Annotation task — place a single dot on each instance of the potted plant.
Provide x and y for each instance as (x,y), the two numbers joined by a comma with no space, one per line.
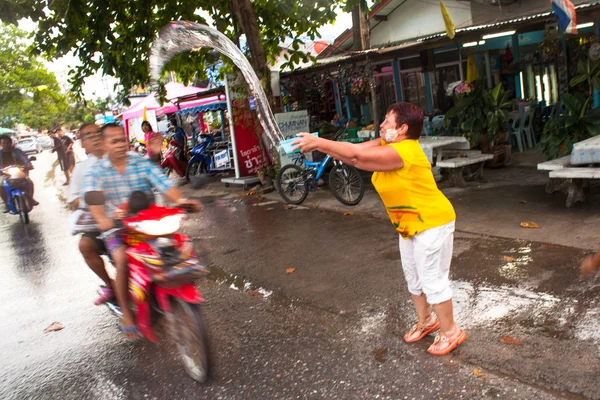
(498,106)
(469,113)
(562,131)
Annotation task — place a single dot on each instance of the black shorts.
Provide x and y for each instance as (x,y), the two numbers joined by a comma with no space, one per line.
(99,242)
(70,159)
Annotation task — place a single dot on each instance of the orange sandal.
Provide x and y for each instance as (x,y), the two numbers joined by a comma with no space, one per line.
(423,331)
(452,343)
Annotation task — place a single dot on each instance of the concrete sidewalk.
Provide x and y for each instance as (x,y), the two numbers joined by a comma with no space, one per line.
(512,195)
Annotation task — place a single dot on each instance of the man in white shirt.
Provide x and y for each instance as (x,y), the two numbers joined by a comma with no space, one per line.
(90,247)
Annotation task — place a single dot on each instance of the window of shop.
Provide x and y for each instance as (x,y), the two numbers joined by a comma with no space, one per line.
(413,81)
(385,88)
(413,85)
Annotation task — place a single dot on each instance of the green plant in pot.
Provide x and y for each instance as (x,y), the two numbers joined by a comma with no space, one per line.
(470,111)
(562,131)
(498,106)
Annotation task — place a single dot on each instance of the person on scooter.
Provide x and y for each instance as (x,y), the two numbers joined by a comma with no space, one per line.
(90,246)
(180,139)
(11,155)
(112,181)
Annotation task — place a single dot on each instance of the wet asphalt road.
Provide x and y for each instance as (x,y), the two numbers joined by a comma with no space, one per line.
(330,330)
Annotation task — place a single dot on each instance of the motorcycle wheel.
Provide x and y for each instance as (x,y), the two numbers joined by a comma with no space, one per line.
(192,340)
(21,205)
(193,170)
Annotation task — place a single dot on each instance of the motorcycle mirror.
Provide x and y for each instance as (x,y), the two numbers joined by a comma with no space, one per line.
(32,159)
(95,198)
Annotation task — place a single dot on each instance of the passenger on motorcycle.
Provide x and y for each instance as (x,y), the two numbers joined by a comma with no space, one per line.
(90,246)
(112,181)
(11,155)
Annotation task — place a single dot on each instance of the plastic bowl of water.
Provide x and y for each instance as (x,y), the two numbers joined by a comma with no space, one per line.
(287,144)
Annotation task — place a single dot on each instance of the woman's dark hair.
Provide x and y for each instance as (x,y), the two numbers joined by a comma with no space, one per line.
(146,123)
(5,137)
(409,114)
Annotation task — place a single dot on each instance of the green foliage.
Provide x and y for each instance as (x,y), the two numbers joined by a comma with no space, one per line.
(470,113)
(562,131)
(588,72)
(115,37)
(498,106)
(28,93)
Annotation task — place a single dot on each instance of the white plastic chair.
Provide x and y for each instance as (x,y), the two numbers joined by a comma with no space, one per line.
(516,132)
(527,129)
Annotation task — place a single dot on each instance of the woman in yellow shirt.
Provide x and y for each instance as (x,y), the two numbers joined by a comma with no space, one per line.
(421,214)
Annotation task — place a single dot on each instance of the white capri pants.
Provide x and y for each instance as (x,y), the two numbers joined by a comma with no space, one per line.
(426,259)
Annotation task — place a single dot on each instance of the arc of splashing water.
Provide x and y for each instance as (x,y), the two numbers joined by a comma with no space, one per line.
(177,37)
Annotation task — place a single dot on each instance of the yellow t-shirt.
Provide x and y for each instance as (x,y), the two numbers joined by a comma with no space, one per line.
(410,194)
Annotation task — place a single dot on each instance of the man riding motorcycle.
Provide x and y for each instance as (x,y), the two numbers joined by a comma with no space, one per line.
(13,156)
(112,180)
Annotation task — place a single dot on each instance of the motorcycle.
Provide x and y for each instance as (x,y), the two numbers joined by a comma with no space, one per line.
(17,188)
(201,161)
(171,162)
(163,266)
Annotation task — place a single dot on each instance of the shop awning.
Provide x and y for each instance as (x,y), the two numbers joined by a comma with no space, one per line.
(212,106)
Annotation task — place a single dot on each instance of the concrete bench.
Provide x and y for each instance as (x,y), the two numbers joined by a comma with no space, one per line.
(456,153)
(569,179)
(572,181)
(553,165)
(456,168)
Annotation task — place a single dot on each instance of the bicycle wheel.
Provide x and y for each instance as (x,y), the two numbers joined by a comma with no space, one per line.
(291,184)
(346,184)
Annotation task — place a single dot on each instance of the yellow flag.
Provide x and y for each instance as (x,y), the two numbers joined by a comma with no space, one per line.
(447,21)
(145,118)
(472,73)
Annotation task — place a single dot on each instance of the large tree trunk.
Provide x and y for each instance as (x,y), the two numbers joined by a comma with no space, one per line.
(247,20)
(365,29)
(356,34)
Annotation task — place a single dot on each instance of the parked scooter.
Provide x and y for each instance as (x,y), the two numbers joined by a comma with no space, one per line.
(201,160)
(172,160)
(18,191)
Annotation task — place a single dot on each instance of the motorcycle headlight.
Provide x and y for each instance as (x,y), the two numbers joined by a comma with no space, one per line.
(164,226)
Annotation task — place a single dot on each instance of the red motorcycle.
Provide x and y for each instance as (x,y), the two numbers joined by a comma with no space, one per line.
(163,266)
(172,160)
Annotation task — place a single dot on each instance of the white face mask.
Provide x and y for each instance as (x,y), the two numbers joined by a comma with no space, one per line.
(391,135)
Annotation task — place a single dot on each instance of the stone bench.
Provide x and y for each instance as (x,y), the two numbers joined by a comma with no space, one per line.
(569,179)
(457,153)
(553,165)
(456,168)
(572,181)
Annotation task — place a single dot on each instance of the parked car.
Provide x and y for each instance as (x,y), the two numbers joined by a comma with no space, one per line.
(45,142)
(29,145)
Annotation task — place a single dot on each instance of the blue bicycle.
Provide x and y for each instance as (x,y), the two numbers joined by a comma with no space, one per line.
(294,182)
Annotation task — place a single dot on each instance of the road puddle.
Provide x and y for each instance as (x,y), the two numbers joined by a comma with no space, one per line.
(235,282)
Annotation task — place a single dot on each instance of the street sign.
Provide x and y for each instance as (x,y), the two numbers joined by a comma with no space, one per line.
(221,158)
